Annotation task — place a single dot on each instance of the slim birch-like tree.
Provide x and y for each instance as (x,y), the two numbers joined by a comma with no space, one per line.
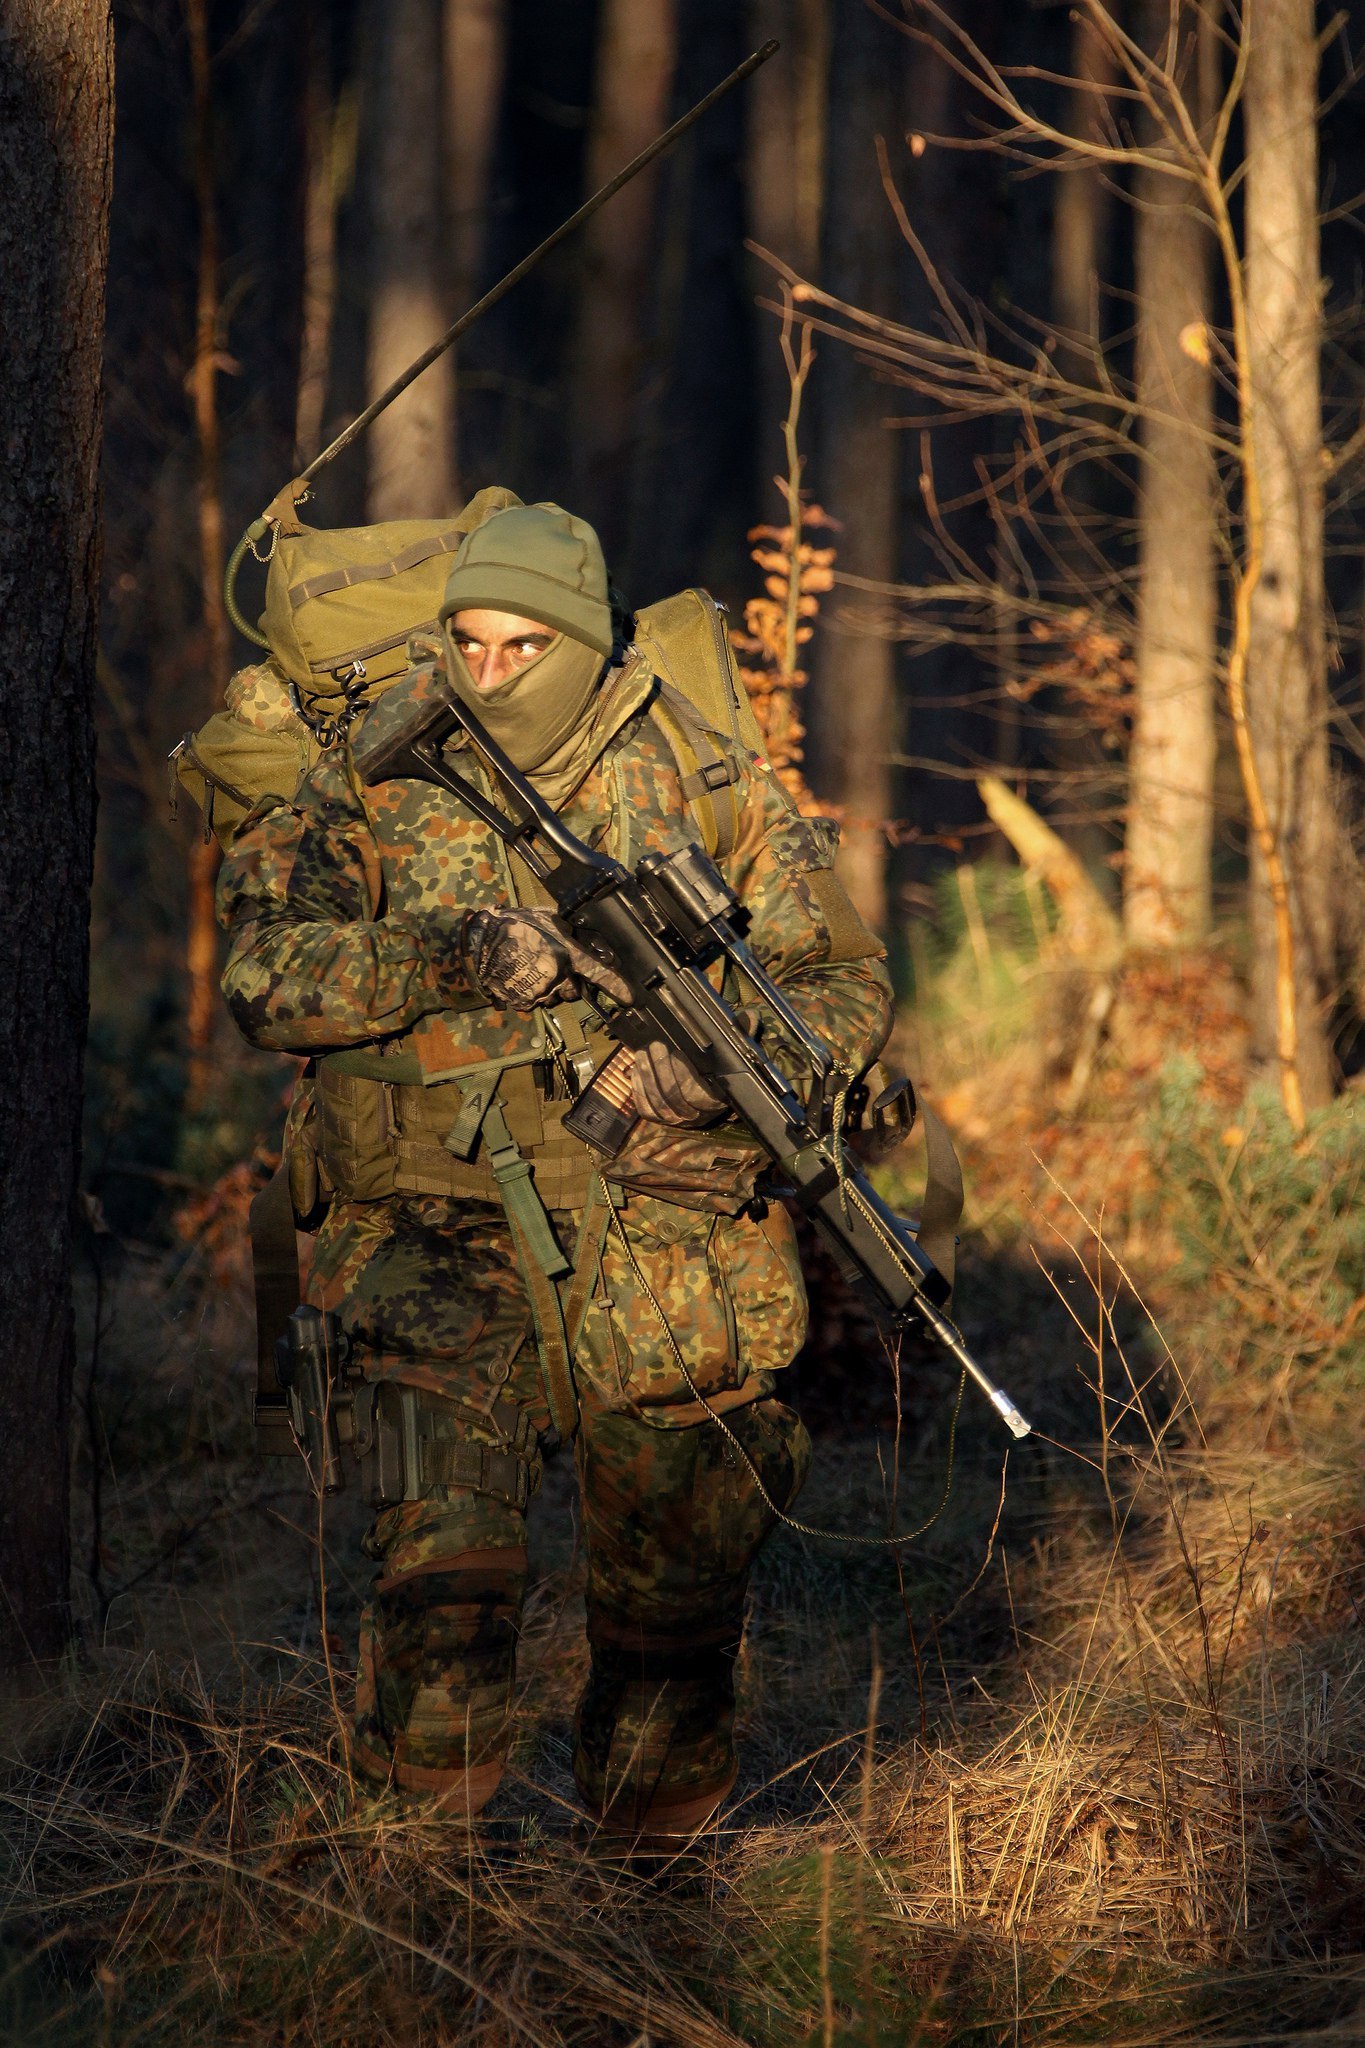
(1287,704)
(1167,896)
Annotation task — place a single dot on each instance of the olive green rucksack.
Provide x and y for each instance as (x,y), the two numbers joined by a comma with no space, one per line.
(340,608)
(340,605)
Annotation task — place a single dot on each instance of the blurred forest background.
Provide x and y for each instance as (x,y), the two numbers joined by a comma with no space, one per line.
(1027,431)
(1000,367)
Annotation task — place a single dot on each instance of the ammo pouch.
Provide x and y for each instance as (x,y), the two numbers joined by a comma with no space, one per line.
(383,1132)
(410,1442)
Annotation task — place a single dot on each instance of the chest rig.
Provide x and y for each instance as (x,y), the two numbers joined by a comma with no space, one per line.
(470,1104)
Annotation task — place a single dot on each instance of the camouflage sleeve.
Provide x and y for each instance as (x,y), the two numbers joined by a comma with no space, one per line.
(311,964)
(806,931)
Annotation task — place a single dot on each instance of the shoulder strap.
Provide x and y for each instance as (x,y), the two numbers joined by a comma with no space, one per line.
(709,776)
(275,1270)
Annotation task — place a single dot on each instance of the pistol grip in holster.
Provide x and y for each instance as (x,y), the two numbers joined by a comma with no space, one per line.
(310,1360)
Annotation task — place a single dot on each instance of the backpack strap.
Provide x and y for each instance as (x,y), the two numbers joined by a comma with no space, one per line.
(709,776)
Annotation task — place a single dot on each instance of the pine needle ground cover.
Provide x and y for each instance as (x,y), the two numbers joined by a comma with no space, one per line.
(1080,1763)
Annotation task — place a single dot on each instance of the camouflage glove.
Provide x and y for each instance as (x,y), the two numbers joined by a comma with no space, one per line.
(520,959)
(667,1090)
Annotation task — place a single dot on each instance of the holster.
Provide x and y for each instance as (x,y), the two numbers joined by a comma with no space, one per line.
(406,1441)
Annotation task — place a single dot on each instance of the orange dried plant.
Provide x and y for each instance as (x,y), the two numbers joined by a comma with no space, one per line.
(1092,668)
(797,573)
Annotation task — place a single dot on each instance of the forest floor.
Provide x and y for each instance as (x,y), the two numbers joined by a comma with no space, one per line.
(1084,1765)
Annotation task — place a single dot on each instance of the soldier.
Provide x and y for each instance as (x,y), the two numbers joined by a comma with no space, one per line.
(502,1288)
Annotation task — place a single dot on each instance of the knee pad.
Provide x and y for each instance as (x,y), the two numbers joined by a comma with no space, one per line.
(779,1444)
(437,1662)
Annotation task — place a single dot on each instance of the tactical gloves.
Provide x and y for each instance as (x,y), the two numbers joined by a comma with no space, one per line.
(667,1090)
(520,959)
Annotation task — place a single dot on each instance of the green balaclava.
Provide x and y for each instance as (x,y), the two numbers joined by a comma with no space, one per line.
(537,562)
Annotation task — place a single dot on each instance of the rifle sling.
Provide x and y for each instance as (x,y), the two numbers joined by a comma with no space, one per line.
(943,1197)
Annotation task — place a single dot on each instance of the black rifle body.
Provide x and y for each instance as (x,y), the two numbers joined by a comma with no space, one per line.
(661,926)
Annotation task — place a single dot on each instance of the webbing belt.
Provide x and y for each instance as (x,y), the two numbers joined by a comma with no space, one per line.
(526,1212)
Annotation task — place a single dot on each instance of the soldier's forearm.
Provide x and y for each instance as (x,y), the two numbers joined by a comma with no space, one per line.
(848,1007)
(301,986)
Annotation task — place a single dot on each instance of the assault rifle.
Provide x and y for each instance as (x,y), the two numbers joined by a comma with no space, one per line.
(660,927)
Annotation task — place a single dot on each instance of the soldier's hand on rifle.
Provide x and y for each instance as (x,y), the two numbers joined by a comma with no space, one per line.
(521,959)
(667,1090)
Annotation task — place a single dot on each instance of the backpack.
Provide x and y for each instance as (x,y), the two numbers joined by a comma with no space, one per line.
(340,608)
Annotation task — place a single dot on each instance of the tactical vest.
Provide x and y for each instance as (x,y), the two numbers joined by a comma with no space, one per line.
(424,1112)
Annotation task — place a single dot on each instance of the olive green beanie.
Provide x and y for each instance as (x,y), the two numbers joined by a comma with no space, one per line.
(538,562)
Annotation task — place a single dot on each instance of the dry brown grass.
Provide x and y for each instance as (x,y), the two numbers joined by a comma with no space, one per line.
(1090,1771)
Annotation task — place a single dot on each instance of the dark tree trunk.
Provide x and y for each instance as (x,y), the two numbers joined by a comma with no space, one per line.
(856,725)
(475,61)
(787,111)
(411,446)
(56,102)
(636,53)
(324,155)
(201,949)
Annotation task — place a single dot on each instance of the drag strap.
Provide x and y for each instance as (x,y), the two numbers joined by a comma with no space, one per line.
(558,1322)
(275,1276)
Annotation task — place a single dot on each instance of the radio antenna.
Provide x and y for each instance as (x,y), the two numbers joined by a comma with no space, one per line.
(280,511)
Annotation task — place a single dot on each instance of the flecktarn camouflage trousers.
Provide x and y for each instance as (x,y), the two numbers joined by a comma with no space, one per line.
(433,1301)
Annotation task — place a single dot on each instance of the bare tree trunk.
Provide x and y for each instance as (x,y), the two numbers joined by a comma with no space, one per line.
(1082,218)
(860,471)
(201,950)
(475,58)
(636,51)
(324,144)
(785,174)
(1084,201)
(1167,879)
(1287,669)
(411,445)
(56,120)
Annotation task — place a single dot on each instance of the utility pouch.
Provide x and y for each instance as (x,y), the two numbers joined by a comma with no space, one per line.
(415,1442)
